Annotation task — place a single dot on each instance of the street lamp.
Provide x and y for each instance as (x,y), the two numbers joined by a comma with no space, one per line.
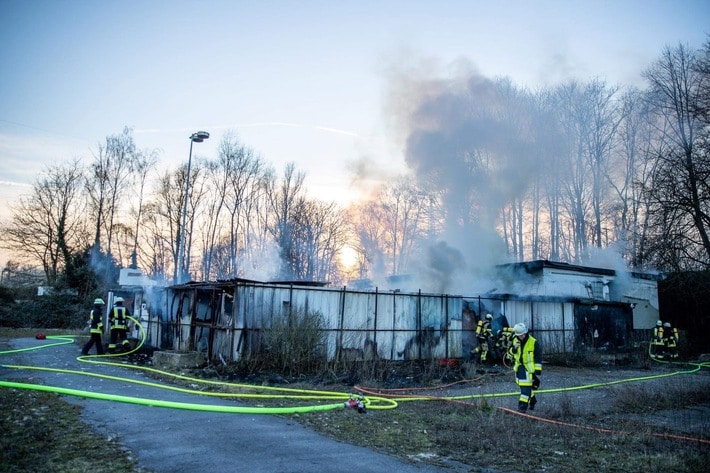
(197,137)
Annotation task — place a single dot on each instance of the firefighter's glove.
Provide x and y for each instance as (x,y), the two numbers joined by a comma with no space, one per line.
(536,382)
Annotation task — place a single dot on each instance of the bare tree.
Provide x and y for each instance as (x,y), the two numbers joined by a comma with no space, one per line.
(162,221)
(391,229)
(212,249)
(605,117)
(236,177)
(284,196)
(197,196)
(257,249)
(158,254)
(702,68)
(681,184)
(109,177)
(48,225)
(629,172)
(403,209)
(546,187)
(145,162)
(123,238)
(318,231)
(365,220)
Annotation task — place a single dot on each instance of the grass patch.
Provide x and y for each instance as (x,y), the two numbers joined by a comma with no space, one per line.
(447,433)
(40,432)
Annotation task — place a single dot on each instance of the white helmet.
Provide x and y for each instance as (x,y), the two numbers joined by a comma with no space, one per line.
(118,299)
(489,317)
(520,329)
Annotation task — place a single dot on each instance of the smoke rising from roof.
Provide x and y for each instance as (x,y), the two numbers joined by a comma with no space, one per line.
(466,138)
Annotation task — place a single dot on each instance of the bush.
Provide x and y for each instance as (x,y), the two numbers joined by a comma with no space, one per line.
(52,311)
(295,344)
(6,296)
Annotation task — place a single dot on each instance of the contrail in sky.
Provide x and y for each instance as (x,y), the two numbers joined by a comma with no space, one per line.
(253,125)
(14,184)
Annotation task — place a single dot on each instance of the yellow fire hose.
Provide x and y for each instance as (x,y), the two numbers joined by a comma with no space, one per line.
(267,392)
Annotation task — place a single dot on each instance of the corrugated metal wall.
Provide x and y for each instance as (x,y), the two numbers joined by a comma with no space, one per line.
(223,320)
(226,320)
(398,326)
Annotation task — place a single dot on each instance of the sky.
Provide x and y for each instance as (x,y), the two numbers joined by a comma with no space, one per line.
(297,81)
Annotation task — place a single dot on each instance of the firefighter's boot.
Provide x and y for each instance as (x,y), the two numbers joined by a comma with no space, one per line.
(531,405)
(522,406)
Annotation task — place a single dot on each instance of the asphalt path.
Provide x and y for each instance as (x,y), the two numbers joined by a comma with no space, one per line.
(184,441)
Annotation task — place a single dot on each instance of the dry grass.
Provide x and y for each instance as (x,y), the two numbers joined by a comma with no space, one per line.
(619,428)
(610,429)
(453,434)
(41,432)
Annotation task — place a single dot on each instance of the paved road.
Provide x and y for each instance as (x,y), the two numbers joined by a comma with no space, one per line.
(182,441)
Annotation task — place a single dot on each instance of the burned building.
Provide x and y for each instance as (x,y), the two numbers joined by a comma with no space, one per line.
(568,307)
(227,319)
(572,307)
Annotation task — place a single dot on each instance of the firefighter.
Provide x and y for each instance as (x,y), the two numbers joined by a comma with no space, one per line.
(503,343)
(96,327)
(657,345)
(484,335)
(118,321)
(527,353)
(670,340)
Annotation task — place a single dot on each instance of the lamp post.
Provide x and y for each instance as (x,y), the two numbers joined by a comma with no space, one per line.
(197,137)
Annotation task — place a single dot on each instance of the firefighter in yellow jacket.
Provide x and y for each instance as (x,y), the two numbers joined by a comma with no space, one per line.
(527,355)
(503,344)
(118,322)
(484,336)
(657,344)
(670,340)
(96,328)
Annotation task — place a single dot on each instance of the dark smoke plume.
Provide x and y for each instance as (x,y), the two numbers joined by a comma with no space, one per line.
(468,138)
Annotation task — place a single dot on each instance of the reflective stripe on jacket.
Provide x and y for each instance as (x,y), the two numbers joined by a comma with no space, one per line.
(118,318)
(528,354)
(96,324)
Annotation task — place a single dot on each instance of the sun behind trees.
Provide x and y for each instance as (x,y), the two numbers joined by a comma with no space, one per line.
(496,173)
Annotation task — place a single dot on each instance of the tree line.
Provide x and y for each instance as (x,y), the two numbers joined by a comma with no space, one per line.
(511,173)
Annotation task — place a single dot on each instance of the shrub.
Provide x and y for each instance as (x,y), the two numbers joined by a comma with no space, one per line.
(6,295)
(295,344)
(52,311)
